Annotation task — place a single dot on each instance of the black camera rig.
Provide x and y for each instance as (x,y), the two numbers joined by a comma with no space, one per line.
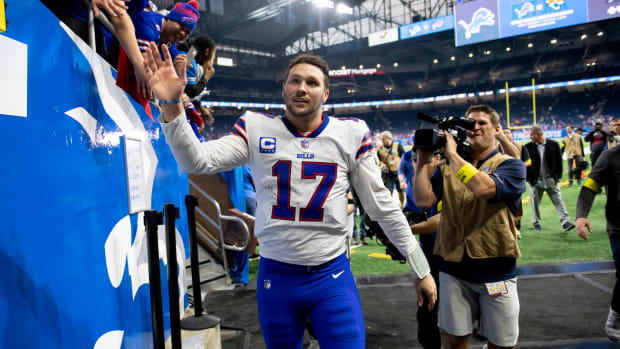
(374,229)
(432,140)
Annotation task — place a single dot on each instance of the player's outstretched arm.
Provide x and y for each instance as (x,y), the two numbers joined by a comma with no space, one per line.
(166,79)
(380,206)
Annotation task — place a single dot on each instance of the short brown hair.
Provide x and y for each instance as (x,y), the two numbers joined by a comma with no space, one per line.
(483,108)
(312,60)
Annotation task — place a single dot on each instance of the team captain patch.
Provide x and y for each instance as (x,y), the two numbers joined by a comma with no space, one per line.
(267,145)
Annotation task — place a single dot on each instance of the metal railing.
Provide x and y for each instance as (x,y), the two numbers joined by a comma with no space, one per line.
(217,223)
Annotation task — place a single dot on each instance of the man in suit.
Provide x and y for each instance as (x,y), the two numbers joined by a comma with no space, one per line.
(544,175)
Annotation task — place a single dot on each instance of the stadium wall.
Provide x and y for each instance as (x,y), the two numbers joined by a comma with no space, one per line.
(73,257)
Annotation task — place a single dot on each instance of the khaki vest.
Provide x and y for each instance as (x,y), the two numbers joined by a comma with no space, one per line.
(519,149)
(390,158)
(573,146)
(467,223)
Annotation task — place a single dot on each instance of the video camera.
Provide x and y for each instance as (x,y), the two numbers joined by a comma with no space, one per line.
(374,229)
(432,140)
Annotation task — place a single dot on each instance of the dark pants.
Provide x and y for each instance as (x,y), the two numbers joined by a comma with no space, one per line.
(428,331)
(573,171)
(614,241)
(390,180)
(596,149)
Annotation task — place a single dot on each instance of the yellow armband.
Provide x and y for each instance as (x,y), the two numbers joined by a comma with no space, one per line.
(528,162)
(592,185)
(439,205)
(465,173)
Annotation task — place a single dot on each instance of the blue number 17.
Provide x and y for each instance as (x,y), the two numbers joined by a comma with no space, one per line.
(309,170)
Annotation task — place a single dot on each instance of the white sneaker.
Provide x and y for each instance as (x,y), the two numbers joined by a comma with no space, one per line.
(612,327)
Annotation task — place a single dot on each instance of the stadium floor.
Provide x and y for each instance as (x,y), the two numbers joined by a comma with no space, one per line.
(562,306)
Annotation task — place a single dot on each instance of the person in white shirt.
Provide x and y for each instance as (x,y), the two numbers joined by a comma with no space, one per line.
(303,164)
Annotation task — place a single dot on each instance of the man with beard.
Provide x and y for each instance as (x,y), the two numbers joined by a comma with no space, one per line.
(303,163)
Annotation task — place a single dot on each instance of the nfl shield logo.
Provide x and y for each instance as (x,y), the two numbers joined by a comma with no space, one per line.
(267,284)
(305,144)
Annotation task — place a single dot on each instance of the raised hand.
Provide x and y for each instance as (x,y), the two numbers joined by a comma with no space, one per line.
(112,7)
(166,79)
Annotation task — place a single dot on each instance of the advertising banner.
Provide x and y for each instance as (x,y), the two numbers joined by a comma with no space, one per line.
(520,17)
(599,10)
(430,26)
(476,21)
(383,37)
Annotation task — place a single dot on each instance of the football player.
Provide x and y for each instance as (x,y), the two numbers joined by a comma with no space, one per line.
(303,164)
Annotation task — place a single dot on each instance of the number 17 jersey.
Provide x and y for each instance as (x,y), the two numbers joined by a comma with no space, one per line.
(301,184)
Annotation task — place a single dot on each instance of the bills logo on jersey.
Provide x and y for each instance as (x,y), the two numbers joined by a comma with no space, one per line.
(305,144)
(267,145)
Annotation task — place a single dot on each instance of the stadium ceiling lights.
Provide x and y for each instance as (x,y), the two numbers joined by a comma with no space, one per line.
(584,36)
(599,34)
(324,3)
(553,41)
(343,67)
(378,65)
(395,64)
(435,61)
(452,58)
(471,55)
(361,66)
(508,49)
(530,45)
(487,52)
(342,8)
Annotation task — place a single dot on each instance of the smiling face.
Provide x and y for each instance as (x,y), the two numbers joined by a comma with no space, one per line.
(304,91)
(537,137)
(482,137)
(173,32)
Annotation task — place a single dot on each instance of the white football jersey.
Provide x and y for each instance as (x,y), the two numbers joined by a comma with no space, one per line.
(301,182)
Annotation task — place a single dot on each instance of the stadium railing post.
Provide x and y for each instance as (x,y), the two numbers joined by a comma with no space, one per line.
(152,219)
(199,321)
(171,213)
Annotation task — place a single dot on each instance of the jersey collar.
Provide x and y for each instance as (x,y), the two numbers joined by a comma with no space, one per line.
(312,134)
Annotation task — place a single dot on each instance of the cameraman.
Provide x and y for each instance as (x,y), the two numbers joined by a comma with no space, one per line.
(477,237)
(428,332)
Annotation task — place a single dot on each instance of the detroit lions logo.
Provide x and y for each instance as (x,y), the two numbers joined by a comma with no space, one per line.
(482,16)
(416,29)
(555,4)
(524,10)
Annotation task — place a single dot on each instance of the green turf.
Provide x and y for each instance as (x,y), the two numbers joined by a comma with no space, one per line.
(550,245)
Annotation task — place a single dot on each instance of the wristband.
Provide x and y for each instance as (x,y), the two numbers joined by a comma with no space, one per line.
(465,173)
(169,101)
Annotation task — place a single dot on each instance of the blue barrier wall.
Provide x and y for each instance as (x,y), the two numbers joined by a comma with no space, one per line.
(72,257)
